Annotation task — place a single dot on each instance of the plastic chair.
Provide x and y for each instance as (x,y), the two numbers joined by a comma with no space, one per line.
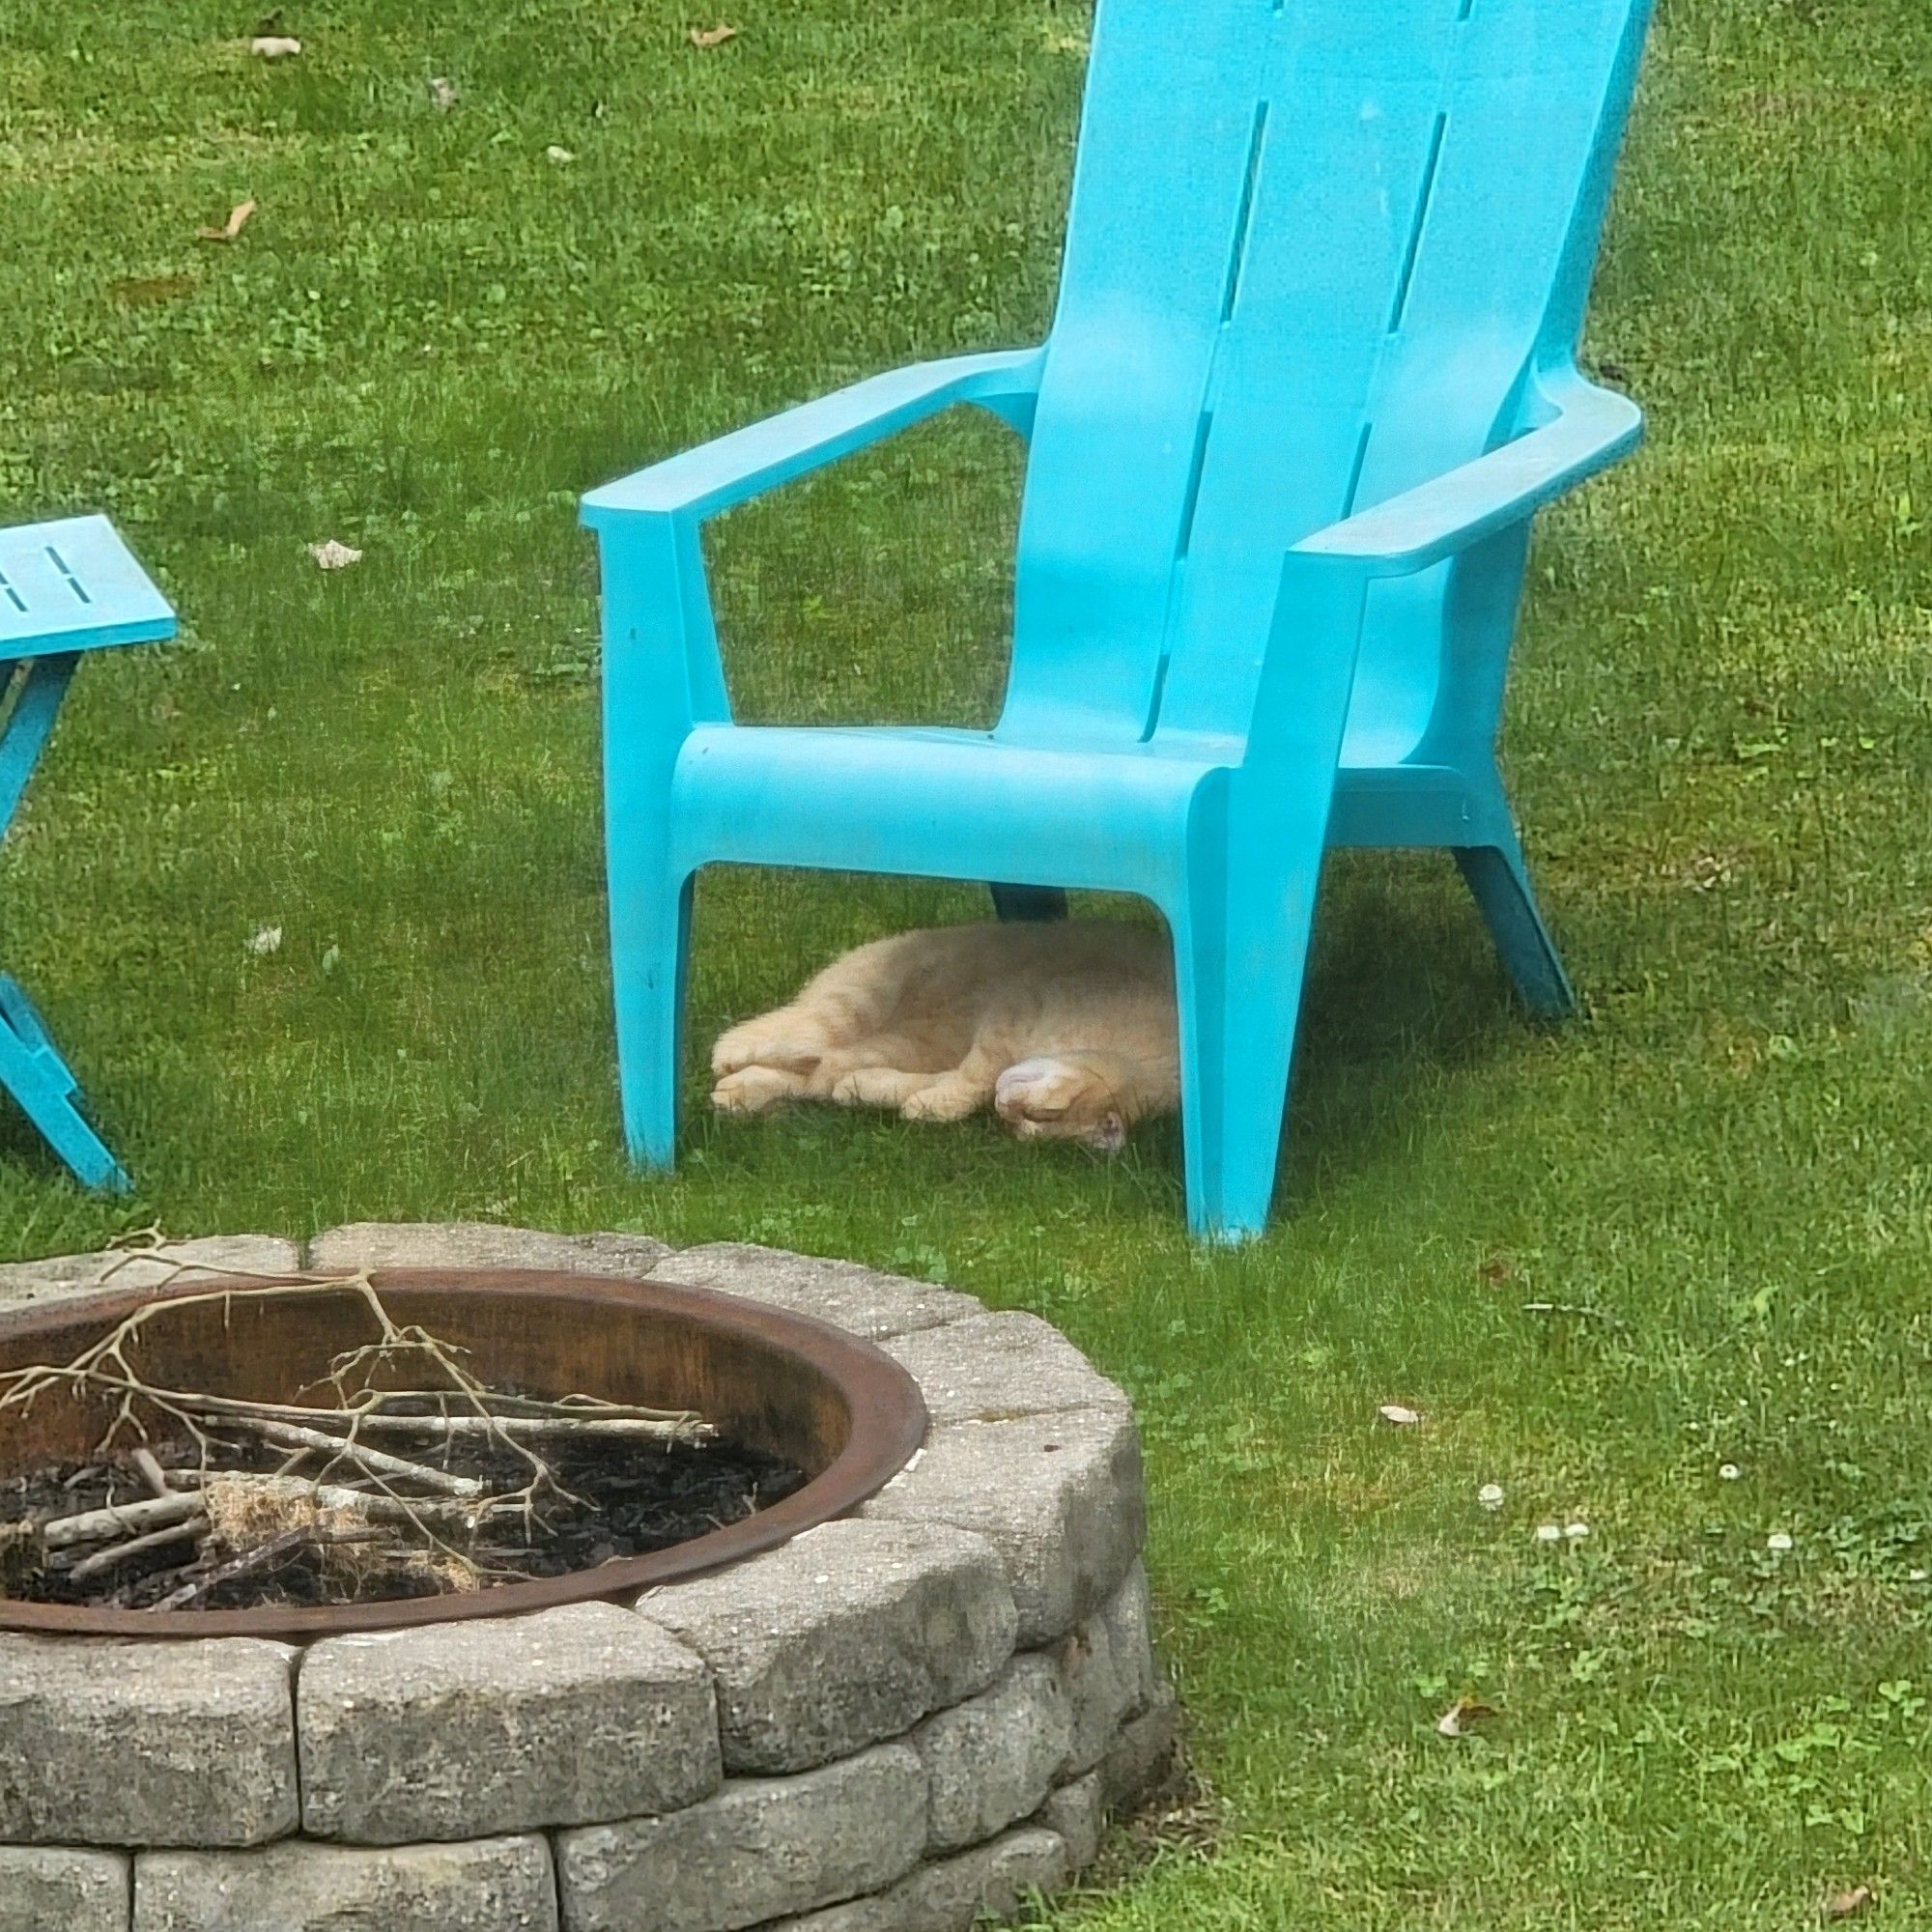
(65,588)
(1311,374)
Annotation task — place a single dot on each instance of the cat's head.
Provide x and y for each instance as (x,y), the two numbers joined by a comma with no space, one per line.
(1065,1098)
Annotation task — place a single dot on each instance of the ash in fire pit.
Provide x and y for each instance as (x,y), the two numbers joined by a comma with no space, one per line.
(263,1537)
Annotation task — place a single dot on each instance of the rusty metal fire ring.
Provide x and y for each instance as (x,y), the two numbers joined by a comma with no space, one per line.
(842,1409)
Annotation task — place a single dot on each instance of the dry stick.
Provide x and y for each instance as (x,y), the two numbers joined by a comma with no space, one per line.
(529,1418)
(534,1428)
(519,1427)
(379,1508)
(112,1557)
(258,1559)
(376,1462)
(150,1472)
(121,1518)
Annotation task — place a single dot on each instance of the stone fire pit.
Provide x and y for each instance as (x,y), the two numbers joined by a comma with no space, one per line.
(895,1720)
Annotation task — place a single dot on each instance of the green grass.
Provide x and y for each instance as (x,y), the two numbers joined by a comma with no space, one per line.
(430,339)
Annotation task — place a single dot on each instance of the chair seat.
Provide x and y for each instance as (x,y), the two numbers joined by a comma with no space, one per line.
(943,802)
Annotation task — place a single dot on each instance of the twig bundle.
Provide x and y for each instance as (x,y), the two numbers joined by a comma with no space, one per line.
(388,1519)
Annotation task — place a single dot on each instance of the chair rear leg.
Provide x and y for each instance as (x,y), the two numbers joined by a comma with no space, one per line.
(650,946)
(1500,881)
(1241,959)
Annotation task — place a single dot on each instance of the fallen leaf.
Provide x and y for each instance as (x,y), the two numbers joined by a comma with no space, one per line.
(138,291)
(1849,1904)
(333,556)
(238,219)
(706,38)
(1399,1417)
(267,939)
(1461,1717)
(274,46)
(442,93)
(559,157)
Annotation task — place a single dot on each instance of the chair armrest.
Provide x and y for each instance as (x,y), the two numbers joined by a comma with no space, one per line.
(702,481)
(1437,520)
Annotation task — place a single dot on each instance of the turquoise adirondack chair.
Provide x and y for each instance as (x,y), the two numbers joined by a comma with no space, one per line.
(1311,374)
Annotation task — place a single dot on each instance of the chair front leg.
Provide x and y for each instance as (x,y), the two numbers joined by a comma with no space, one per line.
(1241,925)
(661,673)
(38,685)
(1245,912)
(650,952)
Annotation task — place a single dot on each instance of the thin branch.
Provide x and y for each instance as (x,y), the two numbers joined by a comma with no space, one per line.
(118,1553)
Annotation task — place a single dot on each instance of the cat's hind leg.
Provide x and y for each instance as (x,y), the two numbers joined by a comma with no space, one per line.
(787,1038)
(843,1006)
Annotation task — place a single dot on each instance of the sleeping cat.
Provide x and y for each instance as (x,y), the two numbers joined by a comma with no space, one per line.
(1066,1027)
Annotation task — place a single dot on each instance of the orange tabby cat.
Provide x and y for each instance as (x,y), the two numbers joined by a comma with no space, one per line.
(1065,1029)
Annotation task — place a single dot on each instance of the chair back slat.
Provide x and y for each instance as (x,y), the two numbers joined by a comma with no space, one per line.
(1316,249)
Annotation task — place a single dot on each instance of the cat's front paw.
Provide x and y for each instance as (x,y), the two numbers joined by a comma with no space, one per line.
(944,1101)
(751,1089)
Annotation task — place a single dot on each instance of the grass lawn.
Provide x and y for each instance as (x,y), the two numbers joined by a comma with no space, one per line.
(431,337)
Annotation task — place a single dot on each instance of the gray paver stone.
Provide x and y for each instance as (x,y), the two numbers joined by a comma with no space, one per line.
(1142,1755)
(1078,1812)
(760,1849)
(994,1758)
(463,1730)
(60,1276)
(1058,1495)
(44,1889)
(995,1367)
(146,1743)
(843,1637)
(953,1895)
(1109,1669)
(859,1300)
(497,1884)
(480,1245)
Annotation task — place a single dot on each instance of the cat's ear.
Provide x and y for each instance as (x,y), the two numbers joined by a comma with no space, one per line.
(1109,1135)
